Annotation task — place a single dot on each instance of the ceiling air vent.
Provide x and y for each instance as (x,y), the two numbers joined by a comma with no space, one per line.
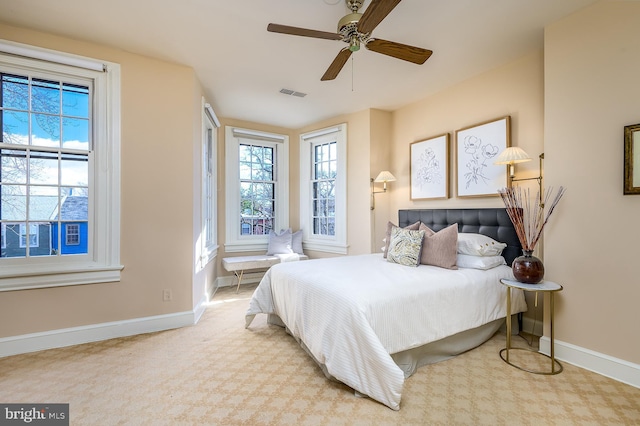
(293,93)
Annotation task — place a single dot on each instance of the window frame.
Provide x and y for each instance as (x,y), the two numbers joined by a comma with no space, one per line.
(102,263)
(209,197)
(234,137)
(316,242)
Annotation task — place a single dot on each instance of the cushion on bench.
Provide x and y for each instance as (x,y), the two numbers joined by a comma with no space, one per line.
(240,263)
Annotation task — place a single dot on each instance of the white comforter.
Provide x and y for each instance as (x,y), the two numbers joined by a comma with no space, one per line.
(352,312)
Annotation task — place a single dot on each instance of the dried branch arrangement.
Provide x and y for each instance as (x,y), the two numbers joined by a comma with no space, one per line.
(529,217)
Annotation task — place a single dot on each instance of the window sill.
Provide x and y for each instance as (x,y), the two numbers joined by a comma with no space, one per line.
(325,247)
(249,246)
(44,279)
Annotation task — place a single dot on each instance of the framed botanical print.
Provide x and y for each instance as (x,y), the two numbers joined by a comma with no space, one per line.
(477,147)
(429,168)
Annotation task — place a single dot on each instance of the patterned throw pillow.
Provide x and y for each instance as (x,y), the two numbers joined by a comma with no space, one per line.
(405,246)
(387,238)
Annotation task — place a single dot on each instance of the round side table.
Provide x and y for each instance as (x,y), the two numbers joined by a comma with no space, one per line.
(545,287)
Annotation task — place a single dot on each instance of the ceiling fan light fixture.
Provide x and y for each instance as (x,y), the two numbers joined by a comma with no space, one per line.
(354,43)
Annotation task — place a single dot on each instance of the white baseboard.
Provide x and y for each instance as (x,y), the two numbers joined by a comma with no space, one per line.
(608,366)
(199,309)
(34,342)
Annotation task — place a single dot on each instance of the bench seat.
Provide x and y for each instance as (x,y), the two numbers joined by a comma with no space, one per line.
(239,264)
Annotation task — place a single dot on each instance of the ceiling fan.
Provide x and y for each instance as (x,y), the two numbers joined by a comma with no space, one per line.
(355,29)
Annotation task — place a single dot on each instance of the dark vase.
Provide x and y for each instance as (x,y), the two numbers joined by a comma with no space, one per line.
(528,268)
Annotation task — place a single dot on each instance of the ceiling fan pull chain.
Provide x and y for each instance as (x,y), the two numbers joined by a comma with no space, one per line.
(352,89)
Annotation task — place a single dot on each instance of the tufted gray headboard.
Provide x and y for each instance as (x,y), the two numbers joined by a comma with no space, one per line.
(494,223)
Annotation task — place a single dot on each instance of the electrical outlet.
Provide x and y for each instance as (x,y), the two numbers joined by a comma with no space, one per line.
(166,295)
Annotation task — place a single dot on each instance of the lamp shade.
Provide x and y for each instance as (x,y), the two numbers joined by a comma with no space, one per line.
(512,155)
(385,176)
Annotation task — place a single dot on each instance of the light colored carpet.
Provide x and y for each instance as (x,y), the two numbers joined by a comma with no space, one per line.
(219,373)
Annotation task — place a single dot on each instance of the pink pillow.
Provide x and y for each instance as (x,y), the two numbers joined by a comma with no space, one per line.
(390,226)
(440,248)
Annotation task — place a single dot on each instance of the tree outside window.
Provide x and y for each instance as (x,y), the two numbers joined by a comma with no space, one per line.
(44,157)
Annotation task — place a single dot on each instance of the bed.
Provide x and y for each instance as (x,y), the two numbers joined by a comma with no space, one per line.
(370,323)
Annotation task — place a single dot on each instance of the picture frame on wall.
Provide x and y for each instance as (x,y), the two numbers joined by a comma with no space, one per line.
(632,159)
(477,147)
(429,168)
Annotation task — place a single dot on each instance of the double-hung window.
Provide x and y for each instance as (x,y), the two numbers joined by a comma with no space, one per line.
(209,236)
(323,189)
(59,168)
(257,188)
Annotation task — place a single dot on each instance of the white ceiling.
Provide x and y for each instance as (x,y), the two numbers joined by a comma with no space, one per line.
(243,67)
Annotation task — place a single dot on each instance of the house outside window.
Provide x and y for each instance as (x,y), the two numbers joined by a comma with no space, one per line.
(60,130)
(323,201)
(257,187)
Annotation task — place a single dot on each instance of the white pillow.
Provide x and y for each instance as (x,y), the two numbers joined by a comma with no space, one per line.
(479,245)
(479,262)
(296,242)
(280,243)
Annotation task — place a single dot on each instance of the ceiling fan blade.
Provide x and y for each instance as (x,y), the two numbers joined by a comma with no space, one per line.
(375,13)
(337,64)
(417,55)
(285,29)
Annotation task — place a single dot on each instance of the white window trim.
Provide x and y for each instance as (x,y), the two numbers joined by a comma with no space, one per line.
(234,241)
(209,249)
(102,264)
(3,242)
(338,242)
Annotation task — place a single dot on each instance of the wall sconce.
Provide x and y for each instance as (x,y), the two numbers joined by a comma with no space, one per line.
(384,176)
(514,155)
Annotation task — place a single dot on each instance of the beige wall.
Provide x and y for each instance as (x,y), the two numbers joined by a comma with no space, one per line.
(515,89)
(592,67)
(381,148)
(160,131)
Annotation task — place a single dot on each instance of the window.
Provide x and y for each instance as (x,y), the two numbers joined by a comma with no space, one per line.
(323,189)
(209,236)
(257,188)
(59,162)
(72,234)
(30,240)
